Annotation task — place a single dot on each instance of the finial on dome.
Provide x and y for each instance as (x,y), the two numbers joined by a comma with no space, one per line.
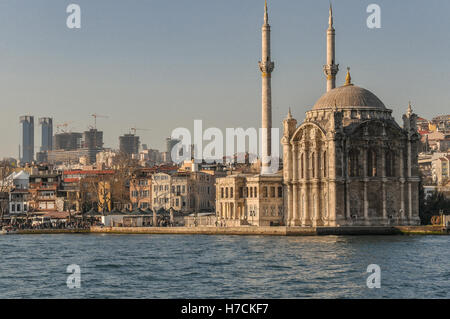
(289,116)
(348,78)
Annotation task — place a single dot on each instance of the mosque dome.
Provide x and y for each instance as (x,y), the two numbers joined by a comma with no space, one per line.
(349,96)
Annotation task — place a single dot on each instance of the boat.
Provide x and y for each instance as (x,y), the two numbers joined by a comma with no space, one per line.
(8,231)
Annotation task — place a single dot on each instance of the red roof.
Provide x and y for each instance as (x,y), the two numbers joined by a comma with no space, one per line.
(89,172)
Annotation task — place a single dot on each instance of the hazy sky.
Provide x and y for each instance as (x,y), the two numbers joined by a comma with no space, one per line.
(160,64)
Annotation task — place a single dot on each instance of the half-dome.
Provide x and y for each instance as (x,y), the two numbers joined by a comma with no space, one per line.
(349,96)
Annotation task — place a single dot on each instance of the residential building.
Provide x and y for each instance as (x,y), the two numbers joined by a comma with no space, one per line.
(141,189)
(43,188)
(440,170)
(187,192)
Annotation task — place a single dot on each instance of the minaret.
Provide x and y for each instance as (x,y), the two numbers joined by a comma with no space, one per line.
(266,66)
(331,69)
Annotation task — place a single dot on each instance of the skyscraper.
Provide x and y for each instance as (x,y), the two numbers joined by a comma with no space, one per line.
(93,141)
(129,144)
(170,144)
(46,133)
(27,138)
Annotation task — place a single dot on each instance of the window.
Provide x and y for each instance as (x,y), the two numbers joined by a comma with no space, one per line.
(280,192)
(255,191)
(144,205)
(302,166)
(226,192)
(313,165)
(371,163)
(353,163)
(221,192)
(265,191)
(390,164)
(241,192)
(231,192)
(325,166)
(251,191)
(272,191)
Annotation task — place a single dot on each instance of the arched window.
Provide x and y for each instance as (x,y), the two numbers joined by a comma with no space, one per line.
(353,163)
(390,164)
(371,163)
(318,163)
(313,165)
(325,166)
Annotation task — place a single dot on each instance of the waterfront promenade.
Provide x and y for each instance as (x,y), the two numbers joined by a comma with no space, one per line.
(248,231)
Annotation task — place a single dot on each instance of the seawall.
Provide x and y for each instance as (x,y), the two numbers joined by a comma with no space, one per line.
(277,231)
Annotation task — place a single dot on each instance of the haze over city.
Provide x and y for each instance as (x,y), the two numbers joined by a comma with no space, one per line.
(162,64)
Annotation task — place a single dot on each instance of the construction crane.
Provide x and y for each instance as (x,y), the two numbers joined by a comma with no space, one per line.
(134,129)
(95,116)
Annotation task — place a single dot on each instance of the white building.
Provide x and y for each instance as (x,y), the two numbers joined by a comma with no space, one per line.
(19,195)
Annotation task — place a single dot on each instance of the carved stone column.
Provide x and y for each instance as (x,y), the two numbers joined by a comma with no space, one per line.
(366,179)
(410,209)
(295,182)
(383,181)
(402,185)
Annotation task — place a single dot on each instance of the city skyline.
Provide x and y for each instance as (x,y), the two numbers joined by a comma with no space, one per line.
(46,69)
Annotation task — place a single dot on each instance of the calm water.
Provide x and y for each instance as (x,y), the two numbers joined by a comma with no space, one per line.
(154,266)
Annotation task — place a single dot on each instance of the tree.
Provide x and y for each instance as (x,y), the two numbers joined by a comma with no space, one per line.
(433,205)
(124,170)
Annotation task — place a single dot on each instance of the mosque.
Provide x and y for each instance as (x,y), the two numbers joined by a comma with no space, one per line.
(348,164)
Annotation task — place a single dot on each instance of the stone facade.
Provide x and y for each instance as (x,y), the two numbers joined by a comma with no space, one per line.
(247,199)
(350,163)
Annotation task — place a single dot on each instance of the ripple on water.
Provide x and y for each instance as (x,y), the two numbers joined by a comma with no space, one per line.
(167,266)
